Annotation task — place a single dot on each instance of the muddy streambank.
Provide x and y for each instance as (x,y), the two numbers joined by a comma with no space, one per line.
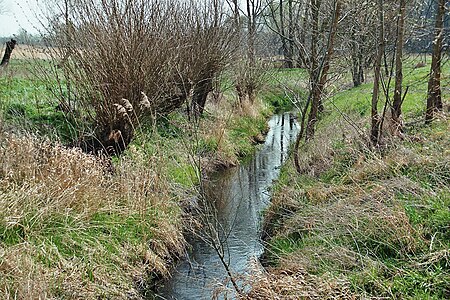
(231,242)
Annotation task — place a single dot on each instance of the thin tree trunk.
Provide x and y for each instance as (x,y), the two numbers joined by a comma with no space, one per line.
(355,59)
(314,73)
(251,27)
(8,51)
(300,135)
(386,65)
(290,34)
(319,85)
(375,117)
(236,14)
(396,110)
(434,100)
(361,66)
(284,41)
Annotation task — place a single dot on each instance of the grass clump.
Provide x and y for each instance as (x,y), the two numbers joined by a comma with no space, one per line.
(70,229)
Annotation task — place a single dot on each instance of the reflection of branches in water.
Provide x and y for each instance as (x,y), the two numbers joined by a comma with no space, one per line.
(212,232)
(227,214)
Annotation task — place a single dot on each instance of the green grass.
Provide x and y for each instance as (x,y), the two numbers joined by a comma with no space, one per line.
(28,104)
(243,129)
(285,89)
(376,220)
(357,100)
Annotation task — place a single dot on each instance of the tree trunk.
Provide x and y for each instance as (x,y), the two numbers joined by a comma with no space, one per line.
(284,42)
(314,72)
(8,51)
(319,85)
(251,27)
(199,96)
(290,34)
(361,66)
(396,110)
(236,14)
(355,59)
(434,100)
(375,117)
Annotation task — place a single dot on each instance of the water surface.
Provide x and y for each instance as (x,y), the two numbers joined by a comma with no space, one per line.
(238,196)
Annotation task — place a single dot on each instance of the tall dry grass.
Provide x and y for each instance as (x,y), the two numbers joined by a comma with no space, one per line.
(361,224)
(69,229)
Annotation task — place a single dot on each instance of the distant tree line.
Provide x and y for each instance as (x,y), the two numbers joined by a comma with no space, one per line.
(25,38)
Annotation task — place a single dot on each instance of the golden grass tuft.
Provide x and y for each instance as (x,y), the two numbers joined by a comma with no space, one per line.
(69,229)
(299,284)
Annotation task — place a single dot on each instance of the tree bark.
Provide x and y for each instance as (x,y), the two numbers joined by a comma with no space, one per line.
(251,27)
(355,59)
(10,45)
(375,117)
(320,81)
(396,110)
(361,65)
(200,94)
(290,35)
(235,9)
(284,42)
(314,73)
(434,100)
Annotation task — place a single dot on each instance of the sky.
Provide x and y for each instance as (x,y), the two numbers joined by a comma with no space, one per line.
(20,14)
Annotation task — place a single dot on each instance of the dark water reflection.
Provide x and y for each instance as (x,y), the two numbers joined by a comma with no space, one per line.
(239,195)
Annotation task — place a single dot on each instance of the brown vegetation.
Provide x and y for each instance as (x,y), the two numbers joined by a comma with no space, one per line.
(336,231)
(116,51)
(60,213)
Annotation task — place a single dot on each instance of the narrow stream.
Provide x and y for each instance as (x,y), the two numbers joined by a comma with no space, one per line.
(239,196)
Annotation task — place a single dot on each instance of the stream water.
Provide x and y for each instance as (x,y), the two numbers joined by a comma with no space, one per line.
(238,196)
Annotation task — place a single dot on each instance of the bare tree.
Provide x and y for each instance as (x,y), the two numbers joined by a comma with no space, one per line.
(10,45)
(253,11)
(320,72)
(248,72)
(358,31)
(396,110)
(111,52)
(434,100)
(375,117)
(318,61)
(211,51)
(283,26)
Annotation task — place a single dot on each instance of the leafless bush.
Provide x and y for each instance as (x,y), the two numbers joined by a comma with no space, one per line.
(104,52)
(248,79)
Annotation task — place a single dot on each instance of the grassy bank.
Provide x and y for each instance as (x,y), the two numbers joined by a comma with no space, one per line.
(359,223)
(69,228)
